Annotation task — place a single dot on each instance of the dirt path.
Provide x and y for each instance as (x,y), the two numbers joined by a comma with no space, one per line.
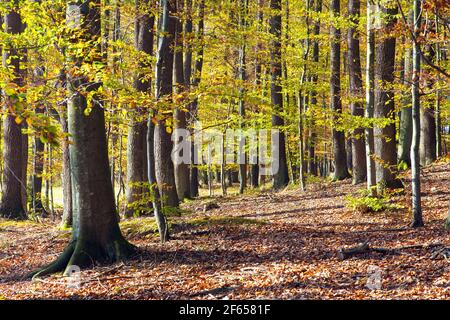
(281,246)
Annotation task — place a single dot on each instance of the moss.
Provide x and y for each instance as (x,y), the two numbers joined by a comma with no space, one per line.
(4,223)
(139,227)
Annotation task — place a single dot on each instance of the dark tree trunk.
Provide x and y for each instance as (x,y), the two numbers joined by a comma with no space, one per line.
(194,105)
(137,133)
(312,165)
(280,176)
(357,92)
(181,169)
(14,184)
(164,168)
(385,138)
(96,234)
(243,8)
(340,159)
(38,164)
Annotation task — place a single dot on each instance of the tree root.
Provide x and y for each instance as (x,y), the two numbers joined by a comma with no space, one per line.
(82,254)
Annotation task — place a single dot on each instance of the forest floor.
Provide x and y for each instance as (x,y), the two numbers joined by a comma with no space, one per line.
(257,246)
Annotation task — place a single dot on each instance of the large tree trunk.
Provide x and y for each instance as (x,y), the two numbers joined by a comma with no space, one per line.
(417,220)
(385,138)
(96,234)
(165,173)
(340,158)
(356,90)
(181,169)
(280,176)
(137,132)
(14,175)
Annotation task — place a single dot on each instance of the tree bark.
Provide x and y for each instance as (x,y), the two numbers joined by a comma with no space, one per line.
(356,90)
(385,138)
(181,169)
(417,220)
(96,235)
(14,152)
(194,105)
(280,177)
(164,167)
(137,132)
(340,158)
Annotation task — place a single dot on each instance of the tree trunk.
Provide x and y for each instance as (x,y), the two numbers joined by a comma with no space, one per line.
(427,136)
(356,90)
(370,100)
(385,138)
(137,132)
(66,220)
(312,165)
(164,168)
(280,176)
(194,105)
(96,234)
(417,220)
(12,204)
(182,168)
(340,159)
(405,128)
(38,164)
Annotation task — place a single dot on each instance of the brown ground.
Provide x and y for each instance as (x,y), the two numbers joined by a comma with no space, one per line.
(281,246)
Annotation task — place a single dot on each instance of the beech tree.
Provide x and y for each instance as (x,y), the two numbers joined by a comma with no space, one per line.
(96,235)
(13,201)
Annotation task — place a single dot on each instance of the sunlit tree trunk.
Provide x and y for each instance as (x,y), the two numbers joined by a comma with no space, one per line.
(417,220)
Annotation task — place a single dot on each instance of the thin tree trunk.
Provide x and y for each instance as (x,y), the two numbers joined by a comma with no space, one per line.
(370,100)
(417,220)
(194,105)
